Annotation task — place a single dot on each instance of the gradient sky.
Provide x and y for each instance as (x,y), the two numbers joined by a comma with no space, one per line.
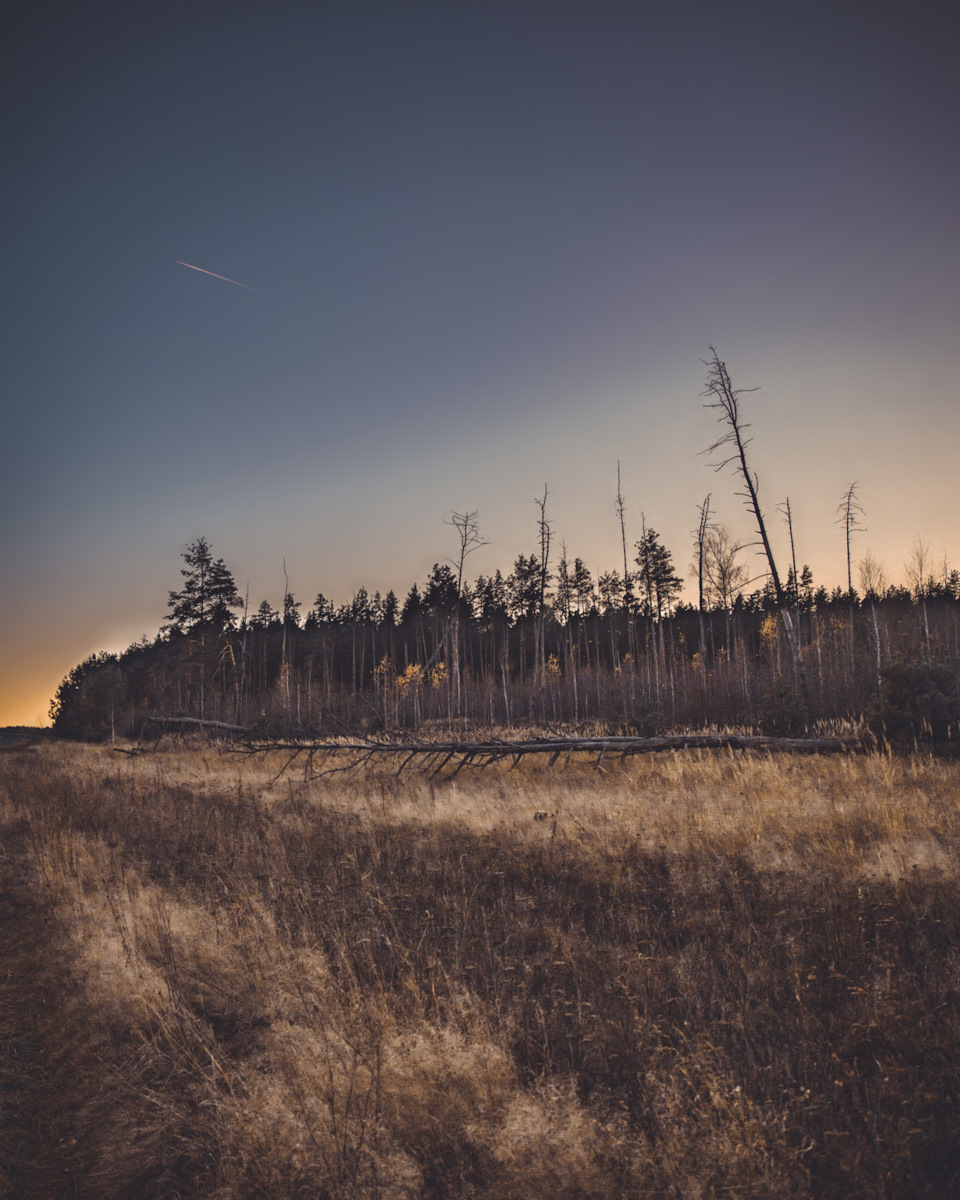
(491,244)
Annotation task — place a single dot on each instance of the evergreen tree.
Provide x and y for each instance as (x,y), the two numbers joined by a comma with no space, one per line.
(583,586)
(323,612)
(610,586)
(523,587)
(359,608)
(566,589)
(490,598)
(412,606)
(660,582)
(291,616)
(265,616)
(391,609)
(441,593)
(208,594)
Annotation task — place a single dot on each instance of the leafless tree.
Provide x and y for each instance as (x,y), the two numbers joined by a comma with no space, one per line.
(620,508)
(918,567)
(627,578)
(724,576)
(467,525)
(850,512)
(700,535)
(723,396)
(873,584)
(787,513)
(546,533)
(873,579)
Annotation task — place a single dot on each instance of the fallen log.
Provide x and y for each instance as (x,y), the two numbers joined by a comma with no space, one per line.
(196,721)
(435,756)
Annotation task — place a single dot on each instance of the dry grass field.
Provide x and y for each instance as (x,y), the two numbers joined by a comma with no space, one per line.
(698,975)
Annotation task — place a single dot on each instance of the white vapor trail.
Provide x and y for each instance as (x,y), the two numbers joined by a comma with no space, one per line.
(216,276)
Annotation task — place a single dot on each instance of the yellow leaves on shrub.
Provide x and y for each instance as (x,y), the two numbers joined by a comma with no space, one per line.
(411,678)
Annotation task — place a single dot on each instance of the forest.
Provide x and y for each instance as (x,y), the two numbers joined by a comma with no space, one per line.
(508,653)
(548,645)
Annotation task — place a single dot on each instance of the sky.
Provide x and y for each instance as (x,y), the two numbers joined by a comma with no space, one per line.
(486,248)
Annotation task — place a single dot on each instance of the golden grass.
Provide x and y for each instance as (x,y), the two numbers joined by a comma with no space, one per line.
(694,975)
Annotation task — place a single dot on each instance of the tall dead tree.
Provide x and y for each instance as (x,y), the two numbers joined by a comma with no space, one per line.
(467,525)
(722,395)
(628,604)
(874,584)
(703,526)
(787,513)
(546,533)
(850,510)
(918,574)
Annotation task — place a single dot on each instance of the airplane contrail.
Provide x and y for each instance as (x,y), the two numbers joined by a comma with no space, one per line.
(216,276)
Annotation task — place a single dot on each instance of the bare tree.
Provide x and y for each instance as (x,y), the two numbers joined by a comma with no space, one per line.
(546,533)
(627,578)
(724,576)
(467,525)
(918,567)
(787,513)
(850,511)
(873,579)
(722,395)
(703,526)
(873,584)
(620,508)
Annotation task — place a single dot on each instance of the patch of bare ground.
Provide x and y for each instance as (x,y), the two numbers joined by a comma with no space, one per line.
(699,975)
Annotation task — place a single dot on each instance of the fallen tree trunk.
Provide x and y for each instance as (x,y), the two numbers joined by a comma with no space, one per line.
(435,756)
(196,721)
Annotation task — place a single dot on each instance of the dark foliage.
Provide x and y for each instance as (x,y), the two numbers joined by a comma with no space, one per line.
(632,659)
(920,702)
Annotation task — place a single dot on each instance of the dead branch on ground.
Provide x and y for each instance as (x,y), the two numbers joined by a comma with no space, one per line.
(434,757)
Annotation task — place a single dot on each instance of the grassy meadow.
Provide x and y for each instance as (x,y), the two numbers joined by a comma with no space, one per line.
(693,975)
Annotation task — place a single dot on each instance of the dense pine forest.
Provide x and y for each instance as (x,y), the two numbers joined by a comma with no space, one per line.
(540,647)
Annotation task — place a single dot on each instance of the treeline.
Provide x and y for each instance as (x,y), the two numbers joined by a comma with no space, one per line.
(544,647)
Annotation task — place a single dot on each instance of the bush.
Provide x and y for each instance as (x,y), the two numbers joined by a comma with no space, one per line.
(784,713)
(919,702)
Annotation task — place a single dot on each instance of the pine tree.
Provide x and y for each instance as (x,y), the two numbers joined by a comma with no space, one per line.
(412,606)
(442,590)
(565,590)
(657,576)
(583,587)
(208,594)
(391,609)
(523,587)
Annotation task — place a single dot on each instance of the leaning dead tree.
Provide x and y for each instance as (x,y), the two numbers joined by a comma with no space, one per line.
(722,395)
(321,758)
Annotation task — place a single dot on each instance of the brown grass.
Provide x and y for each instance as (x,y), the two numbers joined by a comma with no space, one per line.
(702,975)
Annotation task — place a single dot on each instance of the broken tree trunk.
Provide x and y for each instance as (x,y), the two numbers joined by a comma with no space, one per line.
(435,756)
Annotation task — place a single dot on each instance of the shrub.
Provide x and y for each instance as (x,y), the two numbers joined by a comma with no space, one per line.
(919,702)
